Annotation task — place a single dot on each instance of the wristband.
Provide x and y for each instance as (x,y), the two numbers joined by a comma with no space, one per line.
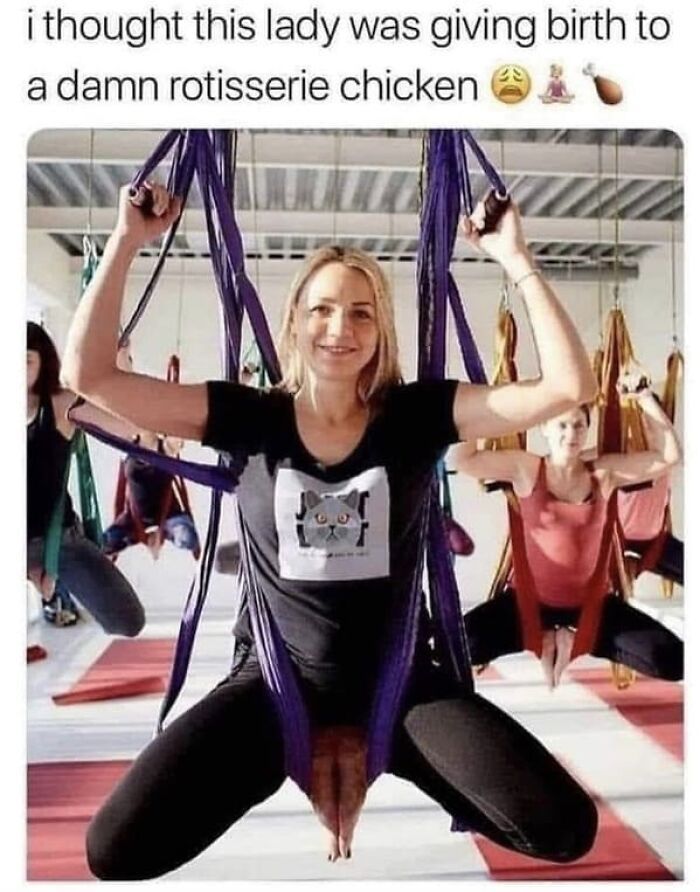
(533,272)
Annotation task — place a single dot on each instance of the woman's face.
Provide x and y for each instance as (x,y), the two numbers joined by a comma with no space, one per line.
(33,368)
(566,433)
(336,323)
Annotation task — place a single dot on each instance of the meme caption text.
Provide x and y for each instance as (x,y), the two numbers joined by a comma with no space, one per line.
(269,28)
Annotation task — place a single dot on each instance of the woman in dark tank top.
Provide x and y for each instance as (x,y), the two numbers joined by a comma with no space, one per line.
(87,573)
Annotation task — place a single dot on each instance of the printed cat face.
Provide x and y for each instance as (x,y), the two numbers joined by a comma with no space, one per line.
(331,521)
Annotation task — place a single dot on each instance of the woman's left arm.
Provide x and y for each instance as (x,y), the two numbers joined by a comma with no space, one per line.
(566,378)
(665,453)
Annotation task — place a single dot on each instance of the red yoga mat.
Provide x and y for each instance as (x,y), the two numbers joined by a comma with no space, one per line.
(62,797)
(654,707)
(127,668)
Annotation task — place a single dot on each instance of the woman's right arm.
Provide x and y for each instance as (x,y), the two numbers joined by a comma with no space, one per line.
(514,466)
(89,364)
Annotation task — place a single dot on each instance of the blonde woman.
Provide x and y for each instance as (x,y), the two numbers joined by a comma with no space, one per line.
(340,459)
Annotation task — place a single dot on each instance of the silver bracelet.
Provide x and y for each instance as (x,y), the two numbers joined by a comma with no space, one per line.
(533,272)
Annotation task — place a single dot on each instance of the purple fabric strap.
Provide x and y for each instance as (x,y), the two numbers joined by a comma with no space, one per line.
(194,605)
(489,170)
(157,156)
(199,589)
(179,183)
(217,478)
(448,191)
(238,294)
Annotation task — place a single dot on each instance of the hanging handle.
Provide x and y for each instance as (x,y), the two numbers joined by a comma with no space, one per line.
(173,373)
(495,206)
(141,197)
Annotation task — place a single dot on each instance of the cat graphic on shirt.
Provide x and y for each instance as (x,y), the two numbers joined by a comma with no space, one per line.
(331,522)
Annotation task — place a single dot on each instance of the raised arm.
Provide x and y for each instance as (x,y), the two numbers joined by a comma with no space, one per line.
(663,454)
(566,378)
(514,466)
(89,366)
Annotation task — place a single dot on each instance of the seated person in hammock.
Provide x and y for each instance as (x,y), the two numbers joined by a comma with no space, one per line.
(340,459)
(559,603)
(642,514)
(83,570)
(152,508)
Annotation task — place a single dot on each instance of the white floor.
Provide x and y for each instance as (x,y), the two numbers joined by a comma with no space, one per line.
(402,835)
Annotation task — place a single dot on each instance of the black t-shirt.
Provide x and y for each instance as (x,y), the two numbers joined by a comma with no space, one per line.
(48,452)
(333,546)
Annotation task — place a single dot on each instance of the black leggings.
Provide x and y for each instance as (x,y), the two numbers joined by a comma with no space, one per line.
(225,755)
(670,562)
(626,635)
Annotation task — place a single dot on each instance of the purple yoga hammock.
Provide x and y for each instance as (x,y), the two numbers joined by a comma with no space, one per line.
(210,157)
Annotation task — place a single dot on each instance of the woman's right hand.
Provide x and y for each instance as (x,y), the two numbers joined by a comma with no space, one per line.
(137,226)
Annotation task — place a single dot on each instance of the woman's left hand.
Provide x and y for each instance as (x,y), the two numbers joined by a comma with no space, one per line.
(634,385)
(339,784)
(506,243)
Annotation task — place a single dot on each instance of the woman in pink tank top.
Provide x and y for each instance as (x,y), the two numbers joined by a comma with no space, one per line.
(558,602)
(647,538)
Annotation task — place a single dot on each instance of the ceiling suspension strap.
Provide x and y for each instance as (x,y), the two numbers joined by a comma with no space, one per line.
(674,290)
(616,218)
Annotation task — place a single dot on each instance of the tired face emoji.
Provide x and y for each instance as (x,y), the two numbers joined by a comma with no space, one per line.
(510,84)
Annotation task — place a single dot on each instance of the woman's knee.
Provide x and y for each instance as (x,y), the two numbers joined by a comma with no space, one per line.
(667,658)
(132,622)
(126,619)
(659,655)
(114,539)
(185,536)
(111,857)
(570,832)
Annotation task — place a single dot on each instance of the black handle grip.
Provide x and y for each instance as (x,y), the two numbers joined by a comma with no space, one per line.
(497,486)
(495,206)
(636,487)
(142,199)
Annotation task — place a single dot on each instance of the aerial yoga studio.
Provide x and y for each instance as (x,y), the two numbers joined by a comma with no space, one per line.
(355,505)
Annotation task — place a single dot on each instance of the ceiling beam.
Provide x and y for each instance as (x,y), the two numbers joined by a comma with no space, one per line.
(320,224)
(399,153)
(285,269)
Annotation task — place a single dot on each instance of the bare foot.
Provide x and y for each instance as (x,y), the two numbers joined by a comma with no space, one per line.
(549,653)
(564,644)
(154,543)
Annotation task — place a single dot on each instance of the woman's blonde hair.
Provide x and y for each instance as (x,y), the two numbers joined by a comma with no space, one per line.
(383,370)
